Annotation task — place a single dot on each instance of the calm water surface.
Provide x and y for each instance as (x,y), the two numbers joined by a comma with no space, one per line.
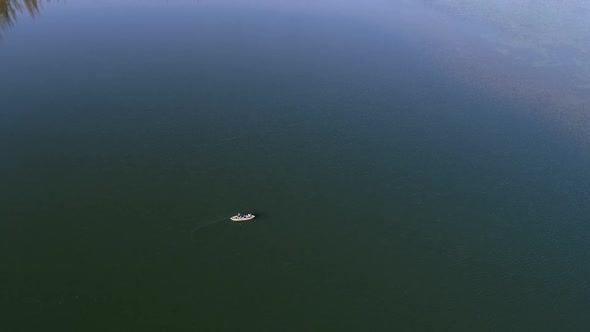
(391,195)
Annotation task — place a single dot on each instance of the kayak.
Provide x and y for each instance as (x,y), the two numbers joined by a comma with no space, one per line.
(242,217)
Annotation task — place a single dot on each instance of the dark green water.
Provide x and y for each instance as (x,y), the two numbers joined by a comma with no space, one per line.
(390,197)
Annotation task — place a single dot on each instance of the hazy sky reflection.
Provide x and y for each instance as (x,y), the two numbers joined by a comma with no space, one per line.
(536,51)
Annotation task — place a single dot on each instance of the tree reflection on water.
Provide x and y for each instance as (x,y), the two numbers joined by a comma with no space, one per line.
(11,9)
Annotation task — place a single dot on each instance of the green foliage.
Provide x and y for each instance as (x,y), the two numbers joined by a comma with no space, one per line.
(11,9)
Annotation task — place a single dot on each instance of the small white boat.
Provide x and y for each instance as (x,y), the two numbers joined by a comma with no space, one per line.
(242,217)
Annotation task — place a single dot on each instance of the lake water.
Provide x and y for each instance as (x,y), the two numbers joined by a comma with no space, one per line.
(398,186)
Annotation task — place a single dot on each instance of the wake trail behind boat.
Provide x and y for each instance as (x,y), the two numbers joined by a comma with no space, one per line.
(207,223)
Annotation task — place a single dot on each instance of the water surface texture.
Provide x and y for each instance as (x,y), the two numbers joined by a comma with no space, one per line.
(414,166)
